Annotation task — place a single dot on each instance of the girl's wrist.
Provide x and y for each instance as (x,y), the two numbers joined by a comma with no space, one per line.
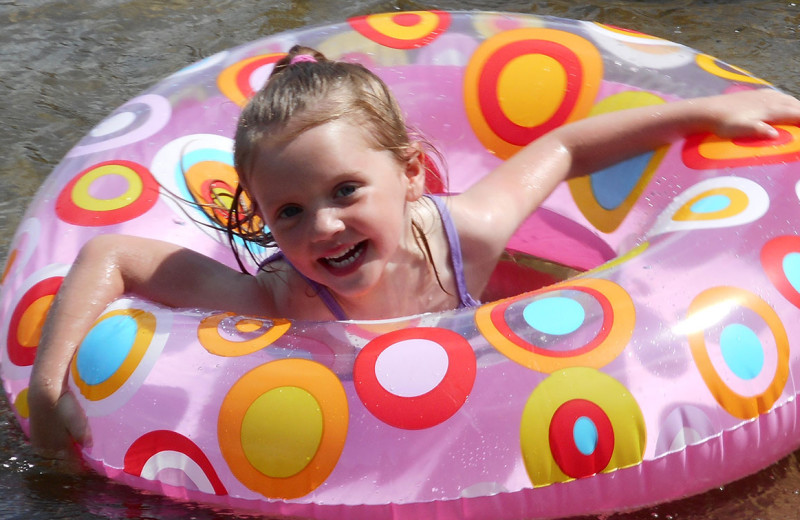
(47,389)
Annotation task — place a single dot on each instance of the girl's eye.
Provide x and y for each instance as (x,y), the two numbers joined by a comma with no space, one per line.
(346,190)
(289,211)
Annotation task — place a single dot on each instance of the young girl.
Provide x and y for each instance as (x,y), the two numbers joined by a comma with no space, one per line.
(327,164)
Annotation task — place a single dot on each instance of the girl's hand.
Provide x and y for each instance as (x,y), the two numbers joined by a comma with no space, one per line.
(750,113)
(55,429)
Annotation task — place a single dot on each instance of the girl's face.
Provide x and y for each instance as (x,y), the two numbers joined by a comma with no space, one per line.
(336,206)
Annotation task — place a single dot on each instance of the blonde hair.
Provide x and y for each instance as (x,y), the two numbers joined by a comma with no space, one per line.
(302,95)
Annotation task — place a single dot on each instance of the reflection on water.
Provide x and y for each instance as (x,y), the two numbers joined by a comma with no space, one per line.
(65,65)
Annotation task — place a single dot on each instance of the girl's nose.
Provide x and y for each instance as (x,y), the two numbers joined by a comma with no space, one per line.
(327,222)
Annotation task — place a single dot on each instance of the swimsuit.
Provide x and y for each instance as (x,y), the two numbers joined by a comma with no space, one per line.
(465,299)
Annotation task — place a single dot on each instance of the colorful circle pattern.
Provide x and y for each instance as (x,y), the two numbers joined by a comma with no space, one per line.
(592,437)
(111,351)
(408,30)
(240,81)
(579,422)
(213,184)
(134,121)
(199,168)
(226,334)
(415,378)
(708,152)
(107,193)
(282,427)
(27,320)
(732,334)
(523,83)
(172,458)
(727,71)
(21,404)
(780,258)
(117,354)
(523,328)
(718,202)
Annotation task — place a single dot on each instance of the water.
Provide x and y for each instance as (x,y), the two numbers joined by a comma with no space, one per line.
(64,65)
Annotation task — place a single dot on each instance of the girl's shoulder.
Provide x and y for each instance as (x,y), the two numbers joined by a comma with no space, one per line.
(475,227)
(482,239)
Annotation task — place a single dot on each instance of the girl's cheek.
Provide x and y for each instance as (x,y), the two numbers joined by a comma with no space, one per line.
(286,233)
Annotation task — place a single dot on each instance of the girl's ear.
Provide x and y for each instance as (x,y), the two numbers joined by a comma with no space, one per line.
(415,173)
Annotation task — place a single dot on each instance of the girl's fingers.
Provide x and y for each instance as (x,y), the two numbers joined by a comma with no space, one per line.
(74,419)
(63,433)
(759,129)
(753,113)
(56,445)
(766,130)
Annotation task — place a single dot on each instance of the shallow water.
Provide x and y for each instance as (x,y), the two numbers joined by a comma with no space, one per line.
(64,65)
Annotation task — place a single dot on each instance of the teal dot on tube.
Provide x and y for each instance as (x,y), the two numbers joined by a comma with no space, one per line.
(585,435)
(711,204)
(555,315)
(791,267)
(742,351)
(105,348)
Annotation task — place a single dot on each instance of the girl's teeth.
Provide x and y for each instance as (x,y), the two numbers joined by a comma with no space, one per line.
(346,258)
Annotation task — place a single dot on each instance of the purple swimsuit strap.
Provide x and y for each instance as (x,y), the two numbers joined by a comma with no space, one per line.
(465,299)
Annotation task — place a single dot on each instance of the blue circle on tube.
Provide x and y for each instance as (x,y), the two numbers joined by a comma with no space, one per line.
(585,435)
(742,351)
(105,348)
(711,204)
(791,268)
(556,315)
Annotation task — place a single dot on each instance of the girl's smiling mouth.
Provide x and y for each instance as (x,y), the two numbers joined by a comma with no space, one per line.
(346,262)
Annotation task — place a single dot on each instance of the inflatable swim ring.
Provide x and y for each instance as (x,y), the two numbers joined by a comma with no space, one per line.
(664,370)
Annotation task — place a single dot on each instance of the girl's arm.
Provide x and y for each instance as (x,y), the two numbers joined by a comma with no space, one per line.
(107,267)
(490,211)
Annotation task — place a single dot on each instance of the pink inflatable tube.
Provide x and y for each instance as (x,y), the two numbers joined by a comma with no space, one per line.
(668,368)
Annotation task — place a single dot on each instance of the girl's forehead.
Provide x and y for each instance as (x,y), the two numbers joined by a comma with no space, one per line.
(324,151)
(339,135)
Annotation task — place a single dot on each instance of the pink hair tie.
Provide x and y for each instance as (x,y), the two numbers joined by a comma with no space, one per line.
(300,58)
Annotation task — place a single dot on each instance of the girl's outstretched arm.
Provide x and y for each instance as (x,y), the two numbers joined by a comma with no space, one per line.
(107,267)
(490,211)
